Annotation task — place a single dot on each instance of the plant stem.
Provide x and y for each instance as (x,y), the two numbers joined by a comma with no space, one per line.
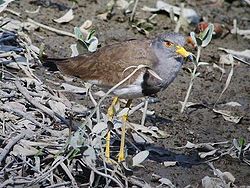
(191,83)
(133,12)
(188,91)
(198,54)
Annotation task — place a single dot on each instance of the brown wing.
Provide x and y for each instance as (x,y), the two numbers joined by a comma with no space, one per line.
(108,63)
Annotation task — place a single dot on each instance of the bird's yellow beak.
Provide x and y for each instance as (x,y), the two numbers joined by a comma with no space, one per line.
(180,50)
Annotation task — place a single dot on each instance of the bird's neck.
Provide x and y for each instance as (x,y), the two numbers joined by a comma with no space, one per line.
(166,66)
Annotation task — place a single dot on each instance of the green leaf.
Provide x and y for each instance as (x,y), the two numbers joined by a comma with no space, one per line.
(208,35)
(242,142)
(78,34)
(92,44)
(90,35)
(199,41)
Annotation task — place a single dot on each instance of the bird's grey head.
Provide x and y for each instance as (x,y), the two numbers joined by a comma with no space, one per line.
(166,45)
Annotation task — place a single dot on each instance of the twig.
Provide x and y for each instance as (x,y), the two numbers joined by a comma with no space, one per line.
(8,147)
(13,12)
(22,114)
(95,104)
(60,185)
(66,170)
(13,182)
(7,54)
(45,174)
(103,174)
(180,21)
(133,12)
(37,104)
(51,29)
(144,111)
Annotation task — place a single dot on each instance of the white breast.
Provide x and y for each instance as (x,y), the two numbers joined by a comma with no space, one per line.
(131,91)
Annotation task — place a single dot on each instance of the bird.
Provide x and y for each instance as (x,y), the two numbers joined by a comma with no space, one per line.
(162,57)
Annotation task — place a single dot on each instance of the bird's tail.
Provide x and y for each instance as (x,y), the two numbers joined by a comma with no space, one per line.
(52,63)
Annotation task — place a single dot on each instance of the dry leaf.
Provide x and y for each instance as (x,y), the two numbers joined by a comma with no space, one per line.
(227,116)
(189,14)
(169,163)
(205,154)
(65,18)
(141,138)
(4,4)
(24,150)
(165,181)
(74,50)
(233,104)
(208,182)
(86,25)
(140,157)
(122,4)
(73,89)
(57,107)
(103,16)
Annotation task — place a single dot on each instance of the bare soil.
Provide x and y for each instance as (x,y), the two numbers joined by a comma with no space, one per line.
(197,125)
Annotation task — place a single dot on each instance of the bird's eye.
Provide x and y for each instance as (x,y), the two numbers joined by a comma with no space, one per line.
(168,44)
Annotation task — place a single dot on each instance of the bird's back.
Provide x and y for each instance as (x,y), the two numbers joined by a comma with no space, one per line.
(106,66)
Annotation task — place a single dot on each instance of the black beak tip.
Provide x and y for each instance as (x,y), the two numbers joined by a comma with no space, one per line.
(190,57)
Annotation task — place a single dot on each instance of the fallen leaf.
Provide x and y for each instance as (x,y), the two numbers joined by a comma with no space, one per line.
(78,108)
(73,89)
(205,154)
(142,138)
(165,181)
(15,105)
(99,127)
(4,4)
(245,33)
(227,115)
(122,4)
(137,138)
(57,107)
(90,156)
(189,14)
(86,25)
(208,182)
(103,16)
(24,150)
(169,163)
(65,18)
(233,104)
(226,59)
(140,157)
(74,51)
(243,54)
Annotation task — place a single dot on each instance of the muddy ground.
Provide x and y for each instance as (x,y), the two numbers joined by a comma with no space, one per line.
(197,125)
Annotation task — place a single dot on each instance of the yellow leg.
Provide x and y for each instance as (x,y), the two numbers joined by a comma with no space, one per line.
(107,151)
(121,155)
(111,112)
